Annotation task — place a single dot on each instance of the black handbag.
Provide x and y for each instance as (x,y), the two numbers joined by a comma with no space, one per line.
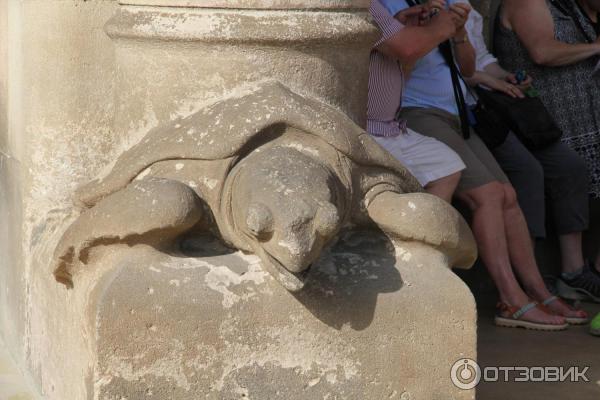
(527,117)
(489,124)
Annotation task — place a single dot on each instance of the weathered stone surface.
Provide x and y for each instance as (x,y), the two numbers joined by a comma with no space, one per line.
(372,323)
(255,4)
(76,100)
(56,98)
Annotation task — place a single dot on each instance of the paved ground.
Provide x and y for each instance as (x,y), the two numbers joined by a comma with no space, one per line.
(518,347)
(12,386)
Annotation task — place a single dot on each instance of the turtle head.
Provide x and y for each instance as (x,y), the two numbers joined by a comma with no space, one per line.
(286,203)
(293,233)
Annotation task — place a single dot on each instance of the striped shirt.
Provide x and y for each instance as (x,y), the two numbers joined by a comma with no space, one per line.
(386,80)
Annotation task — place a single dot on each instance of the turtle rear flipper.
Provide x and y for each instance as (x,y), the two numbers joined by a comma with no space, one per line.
(153,211)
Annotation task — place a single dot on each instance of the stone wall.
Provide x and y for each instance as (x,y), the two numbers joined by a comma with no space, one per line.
(56,96)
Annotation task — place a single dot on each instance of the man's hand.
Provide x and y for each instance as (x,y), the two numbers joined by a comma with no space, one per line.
(412,16)
(444,23)
(435,4)
(420,15)
(431,9)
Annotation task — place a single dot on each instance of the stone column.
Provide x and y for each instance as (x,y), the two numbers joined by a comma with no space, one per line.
(176,56)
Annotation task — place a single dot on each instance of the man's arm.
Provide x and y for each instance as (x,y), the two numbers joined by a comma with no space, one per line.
(532,21)
(414,42)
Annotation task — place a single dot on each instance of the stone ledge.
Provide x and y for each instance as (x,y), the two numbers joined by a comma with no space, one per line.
(256,4)
(241,26)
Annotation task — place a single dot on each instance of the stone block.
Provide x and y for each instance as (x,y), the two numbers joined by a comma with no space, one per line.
(376,321)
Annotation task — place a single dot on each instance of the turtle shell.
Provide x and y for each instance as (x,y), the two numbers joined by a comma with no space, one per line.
(235,126)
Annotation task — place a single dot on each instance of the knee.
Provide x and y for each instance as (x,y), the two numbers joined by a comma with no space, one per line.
(491,194)
(510,196)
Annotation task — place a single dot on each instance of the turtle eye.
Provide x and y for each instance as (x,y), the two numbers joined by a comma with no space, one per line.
(259,220)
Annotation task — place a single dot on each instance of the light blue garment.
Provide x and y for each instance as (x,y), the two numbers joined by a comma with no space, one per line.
(395,6)
(430,83)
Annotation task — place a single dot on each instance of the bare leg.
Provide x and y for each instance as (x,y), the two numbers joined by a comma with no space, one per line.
(489,225)
(522,255)
(519,245)
(444,187)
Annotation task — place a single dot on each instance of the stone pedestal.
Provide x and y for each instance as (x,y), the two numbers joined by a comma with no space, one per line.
(376,321)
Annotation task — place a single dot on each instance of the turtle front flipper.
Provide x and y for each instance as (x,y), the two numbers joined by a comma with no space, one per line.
(153,211)
(425,218)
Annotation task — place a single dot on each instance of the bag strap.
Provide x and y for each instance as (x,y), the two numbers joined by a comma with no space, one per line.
(459,97)
(445,49)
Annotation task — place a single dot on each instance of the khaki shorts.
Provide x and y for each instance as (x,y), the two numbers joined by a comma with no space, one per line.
(482,167)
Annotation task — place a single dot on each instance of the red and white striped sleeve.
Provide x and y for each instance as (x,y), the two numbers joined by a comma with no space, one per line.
(388,25)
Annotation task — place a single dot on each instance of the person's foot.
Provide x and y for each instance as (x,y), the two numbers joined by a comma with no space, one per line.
(581,285)
(559,307)
(529,316)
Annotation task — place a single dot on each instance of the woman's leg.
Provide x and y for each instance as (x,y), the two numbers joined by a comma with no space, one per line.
(494,220)
(526,176)
(519,246)
(571,252)
(523,258)
(566,179)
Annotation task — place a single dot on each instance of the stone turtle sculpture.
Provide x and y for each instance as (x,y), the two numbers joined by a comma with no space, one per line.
(271,173)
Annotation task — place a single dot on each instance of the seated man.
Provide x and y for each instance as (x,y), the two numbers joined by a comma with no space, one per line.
(429,106)
(434,165)
(556,172)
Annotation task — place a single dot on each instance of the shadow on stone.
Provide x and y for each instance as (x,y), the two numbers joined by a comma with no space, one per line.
(202,245)
(344,284)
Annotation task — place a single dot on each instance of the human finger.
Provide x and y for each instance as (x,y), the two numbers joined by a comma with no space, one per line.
(511,78)
(436,4)
(463,6)
(514,91)
(459,11)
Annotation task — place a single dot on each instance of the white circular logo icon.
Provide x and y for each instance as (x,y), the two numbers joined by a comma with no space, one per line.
(465,374)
